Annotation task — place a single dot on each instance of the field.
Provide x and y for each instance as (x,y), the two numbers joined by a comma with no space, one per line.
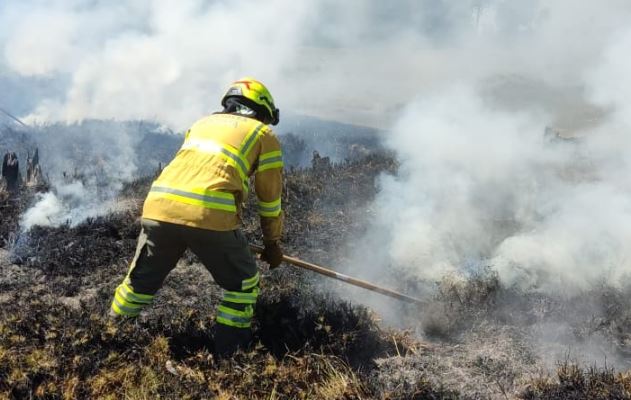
(472,341)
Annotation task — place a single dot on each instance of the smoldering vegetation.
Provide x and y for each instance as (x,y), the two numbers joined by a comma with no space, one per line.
(492,341)
(88,163)
(56,292)
(475,339)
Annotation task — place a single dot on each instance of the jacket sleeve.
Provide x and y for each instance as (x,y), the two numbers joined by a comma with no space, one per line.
(269,186)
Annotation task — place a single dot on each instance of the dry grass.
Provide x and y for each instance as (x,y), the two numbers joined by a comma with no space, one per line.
(55,342)
(135,361)
(574,382)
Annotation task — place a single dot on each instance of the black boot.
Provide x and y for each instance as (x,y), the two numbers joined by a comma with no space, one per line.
(229,339)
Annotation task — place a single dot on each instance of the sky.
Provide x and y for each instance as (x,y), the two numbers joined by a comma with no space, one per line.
(354,61)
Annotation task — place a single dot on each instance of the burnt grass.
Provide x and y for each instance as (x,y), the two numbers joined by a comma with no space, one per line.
(56,285)
(56,341)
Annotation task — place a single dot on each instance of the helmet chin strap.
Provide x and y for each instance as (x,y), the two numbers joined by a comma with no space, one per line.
(245,110)
(234,106)
(276,117)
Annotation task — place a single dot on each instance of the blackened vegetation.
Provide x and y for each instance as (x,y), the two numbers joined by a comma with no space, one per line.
(10,209)
(96,243)
(12,205)
(55,341)
(321,203)
(288,322)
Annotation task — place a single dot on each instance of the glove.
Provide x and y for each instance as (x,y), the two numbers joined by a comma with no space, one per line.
(272,254)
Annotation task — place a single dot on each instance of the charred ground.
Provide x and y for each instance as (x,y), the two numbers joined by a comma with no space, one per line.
(57,282)
(56,285)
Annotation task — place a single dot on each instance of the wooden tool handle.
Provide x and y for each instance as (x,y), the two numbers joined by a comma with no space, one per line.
(345,278)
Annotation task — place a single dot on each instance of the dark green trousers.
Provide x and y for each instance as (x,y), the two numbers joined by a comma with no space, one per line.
(225,254)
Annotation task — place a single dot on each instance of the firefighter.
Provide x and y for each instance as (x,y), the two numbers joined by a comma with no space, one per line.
(196,203)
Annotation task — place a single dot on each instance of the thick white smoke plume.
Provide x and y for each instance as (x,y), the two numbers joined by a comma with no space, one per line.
(539,192)
(525,173)
(87,165)
(478,185)
(68,204)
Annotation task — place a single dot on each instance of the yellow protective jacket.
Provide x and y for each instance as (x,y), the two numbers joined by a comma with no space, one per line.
(207,181)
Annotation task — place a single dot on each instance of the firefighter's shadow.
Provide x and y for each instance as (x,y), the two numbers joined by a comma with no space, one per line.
(187,344)
(283,327)
(279,327)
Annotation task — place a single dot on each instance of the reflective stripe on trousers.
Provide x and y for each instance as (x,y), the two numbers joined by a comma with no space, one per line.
(237,307)
(127,302)
(238,317)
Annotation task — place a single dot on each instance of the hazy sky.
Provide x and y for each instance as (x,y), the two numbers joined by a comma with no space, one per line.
(354,60)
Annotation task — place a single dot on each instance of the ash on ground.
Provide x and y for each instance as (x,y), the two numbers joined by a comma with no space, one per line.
(475,339)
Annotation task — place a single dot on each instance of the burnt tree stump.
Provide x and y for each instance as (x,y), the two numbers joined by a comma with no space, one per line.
(321,165)
(33,170)
(11,171)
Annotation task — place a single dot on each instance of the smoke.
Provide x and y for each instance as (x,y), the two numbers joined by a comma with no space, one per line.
(510,120)
(353,61)
(466,89)
(477,183)
(514,158)
(48,205)
(66,205)
(86,165)
(143,60)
